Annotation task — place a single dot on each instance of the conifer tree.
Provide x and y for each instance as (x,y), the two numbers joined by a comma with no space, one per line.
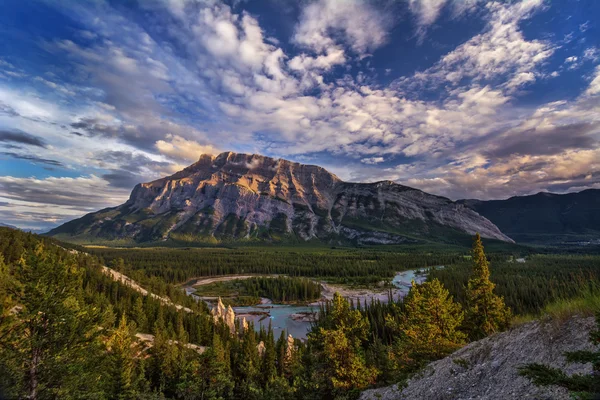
(486,311)
(429,327)
(124,355)
(340,364)
(52,344)
(139,315)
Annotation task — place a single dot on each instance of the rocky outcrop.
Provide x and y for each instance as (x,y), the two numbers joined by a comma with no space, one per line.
(226,315)
(290,349)
(246,196)
(487,369)
(260,347)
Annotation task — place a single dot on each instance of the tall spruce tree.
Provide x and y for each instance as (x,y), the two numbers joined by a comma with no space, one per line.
(429,328)
(486,311)
(124,362)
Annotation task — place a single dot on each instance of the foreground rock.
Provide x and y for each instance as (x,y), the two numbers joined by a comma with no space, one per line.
(487,369)
(248,196)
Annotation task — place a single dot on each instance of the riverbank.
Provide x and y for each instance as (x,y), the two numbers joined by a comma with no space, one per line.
(296,319)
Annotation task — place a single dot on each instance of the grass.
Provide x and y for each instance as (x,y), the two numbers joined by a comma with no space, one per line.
(586,304)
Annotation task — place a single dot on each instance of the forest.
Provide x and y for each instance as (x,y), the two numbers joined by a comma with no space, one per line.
(69,331)
(280,289)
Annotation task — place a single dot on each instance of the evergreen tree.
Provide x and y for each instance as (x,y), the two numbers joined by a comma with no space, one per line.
(486,312)
(340,365)
(428,329)
(50,342)
(583,387)
(125,365)
(139,315)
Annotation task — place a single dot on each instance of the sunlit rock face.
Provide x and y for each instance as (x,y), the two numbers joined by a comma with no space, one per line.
(252,197)
(227,315)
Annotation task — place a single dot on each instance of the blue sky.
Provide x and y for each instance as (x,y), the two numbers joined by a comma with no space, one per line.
(461,98)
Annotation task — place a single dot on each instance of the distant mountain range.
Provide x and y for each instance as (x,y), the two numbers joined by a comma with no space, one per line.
(248,197)
(2,224)
(545,218)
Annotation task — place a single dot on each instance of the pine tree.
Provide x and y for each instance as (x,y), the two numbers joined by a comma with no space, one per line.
(139,315)
(429,328)
(52,344)
(581,386)
(337,344)
(124,361)
(486,312)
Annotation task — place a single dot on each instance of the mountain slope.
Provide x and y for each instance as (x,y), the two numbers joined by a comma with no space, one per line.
(488,368)
(244,197)
(545,217)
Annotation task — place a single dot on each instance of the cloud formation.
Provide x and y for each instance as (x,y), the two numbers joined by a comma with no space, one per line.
(499,107)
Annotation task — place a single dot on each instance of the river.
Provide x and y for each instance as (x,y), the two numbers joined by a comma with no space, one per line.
(280,315)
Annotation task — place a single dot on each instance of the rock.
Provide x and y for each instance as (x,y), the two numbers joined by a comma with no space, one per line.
(487,369)
(230,319)
(238,196)
(304,316)
(219,313)
(290,349)
(261,348)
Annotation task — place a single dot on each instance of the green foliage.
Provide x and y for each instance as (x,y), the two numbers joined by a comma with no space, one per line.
(124,365)
(581,386)
(61,314)
(429,327)
(336,344)
(49,338)
(486,312)
(351,266)
(280,289)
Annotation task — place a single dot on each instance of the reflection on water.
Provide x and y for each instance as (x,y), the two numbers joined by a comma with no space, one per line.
(279,315)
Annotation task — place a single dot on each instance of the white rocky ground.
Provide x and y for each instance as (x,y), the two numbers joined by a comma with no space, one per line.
(127,281)
(487,369)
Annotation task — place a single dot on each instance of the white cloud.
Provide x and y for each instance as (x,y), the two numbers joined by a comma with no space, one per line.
(363,27)
(236,85)
(594,87)
(372,160)
(44,203)
(427,12)
(180,148)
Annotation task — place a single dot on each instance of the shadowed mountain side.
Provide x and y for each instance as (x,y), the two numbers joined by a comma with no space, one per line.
(545,217)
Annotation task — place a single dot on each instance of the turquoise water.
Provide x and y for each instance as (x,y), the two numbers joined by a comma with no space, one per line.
(280,314)
(279,317)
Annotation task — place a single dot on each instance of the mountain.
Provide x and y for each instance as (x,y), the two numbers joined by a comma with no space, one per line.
(251,197)
(545,217)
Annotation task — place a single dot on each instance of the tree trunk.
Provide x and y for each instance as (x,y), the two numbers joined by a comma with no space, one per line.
(33,376)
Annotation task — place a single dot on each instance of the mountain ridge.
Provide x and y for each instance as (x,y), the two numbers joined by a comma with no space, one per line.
(234,196)
(544,217)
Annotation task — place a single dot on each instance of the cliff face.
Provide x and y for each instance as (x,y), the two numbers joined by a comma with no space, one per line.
(488,368)
(240,196)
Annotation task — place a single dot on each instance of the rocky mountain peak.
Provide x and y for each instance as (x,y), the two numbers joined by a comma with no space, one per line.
(238,196)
